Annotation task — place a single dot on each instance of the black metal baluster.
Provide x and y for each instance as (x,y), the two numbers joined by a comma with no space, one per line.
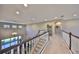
(9,52)
(20,49)
(15,51)
(25,48)
(28,47)
(70,40)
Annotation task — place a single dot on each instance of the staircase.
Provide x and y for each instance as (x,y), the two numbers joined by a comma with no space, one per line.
(39,46)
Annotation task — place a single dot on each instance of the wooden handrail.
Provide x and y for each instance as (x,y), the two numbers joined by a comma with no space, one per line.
(71,34)
(75,36)
(12,47)
(65,32)
(70,39)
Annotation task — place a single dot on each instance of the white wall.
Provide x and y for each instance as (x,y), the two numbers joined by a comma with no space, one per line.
(71,26)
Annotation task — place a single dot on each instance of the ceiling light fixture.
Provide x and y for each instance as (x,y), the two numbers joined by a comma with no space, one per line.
(25,5)
(74,14)
(55,17)
(17,12)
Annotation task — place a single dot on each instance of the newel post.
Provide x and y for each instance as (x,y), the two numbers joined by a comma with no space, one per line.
(70,40)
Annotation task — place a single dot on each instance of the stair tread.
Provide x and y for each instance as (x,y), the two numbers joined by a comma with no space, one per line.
(40,43)
(39,46)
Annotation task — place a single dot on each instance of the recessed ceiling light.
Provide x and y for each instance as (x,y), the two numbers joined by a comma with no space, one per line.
(17,12)
(25,5)
(74,14)
(55,17)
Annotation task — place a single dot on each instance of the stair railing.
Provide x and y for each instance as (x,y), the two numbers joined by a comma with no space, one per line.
(72,41)
(22,48)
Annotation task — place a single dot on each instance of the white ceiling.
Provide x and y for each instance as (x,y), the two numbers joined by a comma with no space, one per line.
(37,12)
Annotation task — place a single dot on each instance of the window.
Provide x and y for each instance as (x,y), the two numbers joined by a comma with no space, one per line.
(20,26)
(14,26)
(6,26)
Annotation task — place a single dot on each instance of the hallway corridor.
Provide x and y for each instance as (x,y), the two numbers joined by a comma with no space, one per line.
(57,45)
(39,29)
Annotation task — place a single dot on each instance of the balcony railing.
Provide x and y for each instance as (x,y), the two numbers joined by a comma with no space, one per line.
(72,41)
(24,47)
